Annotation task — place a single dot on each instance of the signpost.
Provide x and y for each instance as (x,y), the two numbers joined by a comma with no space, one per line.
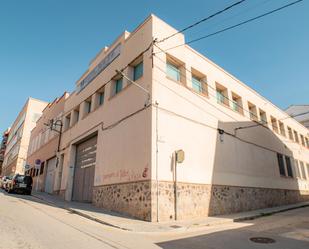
(179,157)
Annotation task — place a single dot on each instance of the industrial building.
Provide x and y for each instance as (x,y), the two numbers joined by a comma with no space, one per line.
(156,130)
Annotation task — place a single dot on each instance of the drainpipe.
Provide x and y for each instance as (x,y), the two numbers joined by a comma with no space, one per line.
(157,156)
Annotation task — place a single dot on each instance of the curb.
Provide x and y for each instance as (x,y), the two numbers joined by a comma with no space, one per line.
(182,228)
(263,214)
(96,219)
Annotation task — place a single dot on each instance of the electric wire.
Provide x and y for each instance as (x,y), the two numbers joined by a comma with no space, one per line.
(202,20)
(233,26)
(213,105)
(239,13)
(258,123)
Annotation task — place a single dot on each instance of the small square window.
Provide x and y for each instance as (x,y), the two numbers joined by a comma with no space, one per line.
(296,137)
(307,142)
(101,98)
(288,166)
(138,71)
(281,164)
(302,139)
(222,95)
(118,85)
(172,71)
(252,112)
(274,124)
(290,132)
(199,82)
(281,128)
(237,103)
(175,69)
(263,117)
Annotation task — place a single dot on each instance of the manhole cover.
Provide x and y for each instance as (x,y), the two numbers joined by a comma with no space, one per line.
(262,240)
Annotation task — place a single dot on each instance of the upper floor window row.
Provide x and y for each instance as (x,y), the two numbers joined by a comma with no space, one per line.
(134,71)
(176,71)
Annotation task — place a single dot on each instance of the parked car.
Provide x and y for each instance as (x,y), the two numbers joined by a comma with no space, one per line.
(4,180)
(20,184)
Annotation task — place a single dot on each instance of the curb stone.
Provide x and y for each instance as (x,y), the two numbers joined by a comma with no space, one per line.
(181,228)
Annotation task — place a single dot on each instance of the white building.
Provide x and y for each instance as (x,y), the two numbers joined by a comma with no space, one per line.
(119,141)
(18,141)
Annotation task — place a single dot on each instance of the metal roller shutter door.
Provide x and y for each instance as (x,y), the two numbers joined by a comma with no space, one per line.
(84,170)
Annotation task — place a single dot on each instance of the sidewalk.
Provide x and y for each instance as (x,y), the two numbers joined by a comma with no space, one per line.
(127,223)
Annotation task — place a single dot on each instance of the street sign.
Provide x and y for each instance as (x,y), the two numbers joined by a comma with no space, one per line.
(37,164)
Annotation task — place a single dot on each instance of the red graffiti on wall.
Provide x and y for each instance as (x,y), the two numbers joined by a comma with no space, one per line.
(145,172)
(127,175)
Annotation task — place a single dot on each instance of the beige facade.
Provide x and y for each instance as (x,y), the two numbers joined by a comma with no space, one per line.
(18,140)
(119,141)
(43,146)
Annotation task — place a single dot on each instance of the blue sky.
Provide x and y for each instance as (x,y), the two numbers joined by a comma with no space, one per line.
(45,46)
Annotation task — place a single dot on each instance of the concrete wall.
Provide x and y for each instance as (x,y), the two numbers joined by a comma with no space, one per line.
(135,161)
(216,167)
(123,151)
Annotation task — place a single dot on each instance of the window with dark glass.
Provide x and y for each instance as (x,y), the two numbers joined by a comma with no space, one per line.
(281,164)
(288,166)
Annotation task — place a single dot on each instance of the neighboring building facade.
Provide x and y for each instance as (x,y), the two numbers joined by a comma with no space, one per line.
(18,140)
(43,148)
(5,136)
(119,141)
(301,113)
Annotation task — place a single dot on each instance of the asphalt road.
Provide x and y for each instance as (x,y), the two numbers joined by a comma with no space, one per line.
(26,222)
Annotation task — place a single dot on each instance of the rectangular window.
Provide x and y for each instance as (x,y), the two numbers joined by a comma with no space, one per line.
(101,98)
(138,71)
(288,166)
(175,69)
(290,134)
(42,168)
(281,128)
(237,103)
(222,95)
(263,117)
(307,142)
(172,71)
(302,139)
(118,85)
(67,121)
(296,137)
(75,115)
(252,112)
(87,106)
(196,84)
(274,124)
(281,164)
(302,169)
(199,82)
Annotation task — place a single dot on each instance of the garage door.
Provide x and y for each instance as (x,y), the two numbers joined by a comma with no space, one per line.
(84,170)
(50,175)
